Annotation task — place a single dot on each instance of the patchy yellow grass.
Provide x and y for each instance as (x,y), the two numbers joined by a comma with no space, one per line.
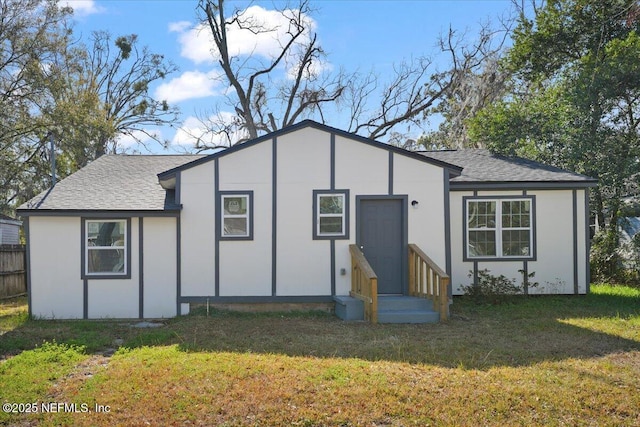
(547,361)
(167,386)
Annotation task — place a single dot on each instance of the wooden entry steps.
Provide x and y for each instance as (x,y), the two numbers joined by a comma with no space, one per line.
(391,309)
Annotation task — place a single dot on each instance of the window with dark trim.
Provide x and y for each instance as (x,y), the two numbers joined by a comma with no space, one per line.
(236,213)
(106,248)
(330,214)
(499,228)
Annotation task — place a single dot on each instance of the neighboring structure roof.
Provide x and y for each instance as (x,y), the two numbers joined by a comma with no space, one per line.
(9,220)
(483,167)
(112,182)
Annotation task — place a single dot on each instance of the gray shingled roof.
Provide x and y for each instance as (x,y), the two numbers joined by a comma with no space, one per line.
(114,182)
(483,166)
(121,182)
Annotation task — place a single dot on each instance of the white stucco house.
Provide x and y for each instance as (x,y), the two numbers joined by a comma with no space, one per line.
(272,220)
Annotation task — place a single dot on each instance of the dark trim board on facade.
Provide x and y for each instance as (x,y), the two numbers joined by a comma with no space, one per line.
(105,214)
(447,225)
(140,268)
(178,266)
(514,185)
(587,239)
(274,215)
(256,299)
(27,236)
(332,187)
(574,202)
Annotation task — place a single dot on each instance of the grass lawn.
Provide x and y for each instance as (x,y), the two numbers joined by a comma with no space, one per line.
(562,360)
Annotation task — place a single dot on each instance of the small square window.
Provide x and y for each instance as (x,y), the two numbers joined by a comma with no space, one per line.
(331,213)
(106,247)
(236,215)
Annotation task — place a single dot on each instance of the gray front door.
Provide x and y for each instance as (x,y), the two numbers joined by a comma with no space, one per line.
(381,238)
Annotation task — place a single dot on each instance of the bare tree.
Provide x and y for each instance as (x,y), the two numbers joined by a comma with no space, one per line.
(263,103)
(419,90)
(304,90)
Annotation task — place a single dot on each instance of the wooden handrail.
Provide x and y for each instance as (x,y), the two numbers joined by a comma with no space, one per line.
(427,280)
(364,283)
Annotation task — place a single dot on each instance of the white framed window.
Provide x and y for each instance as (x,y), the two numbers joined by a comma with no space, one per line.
(499,228)
(106,248)
(331,214)
(236,215)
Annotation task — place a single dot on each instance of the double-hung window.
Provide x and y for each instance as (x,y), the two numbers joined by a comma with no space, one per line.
(236,215)
(106,248)
(331,214)
(500,228)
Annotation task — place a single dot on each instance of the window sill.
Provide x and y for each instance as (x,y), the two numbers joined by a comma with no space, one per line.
(94,276)
(498,259)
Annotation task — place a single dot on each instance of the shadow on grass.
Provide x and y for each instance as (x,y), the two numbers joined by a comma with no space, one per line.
(532,330)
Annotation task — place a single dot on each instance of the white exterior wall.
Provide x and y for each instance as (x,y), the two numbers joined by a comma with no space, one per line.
(303,165)
(423,183)
(54,254)
(57,291)
(197,228)
(554,266)
(117,298)
(159,258)
(245,265)
(303,265)
(554,235)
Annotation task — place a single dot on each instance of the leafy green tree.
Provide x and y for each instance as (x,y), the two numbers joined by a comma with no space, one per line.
(471,92)
(573,97)
(106,96)
(32,35)
(85,97)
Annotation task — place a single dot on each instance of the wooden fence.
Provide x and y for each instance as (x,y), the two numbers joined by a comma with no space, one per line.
(13,276)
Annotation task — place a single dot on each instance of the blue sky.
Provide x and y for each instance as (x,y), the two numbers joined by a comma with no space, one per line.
(357,35)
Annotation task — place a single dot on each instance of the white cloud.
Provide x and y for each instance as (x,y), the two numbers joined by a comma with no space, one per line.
(126,141)
(179,27)
(189,85)
(83,7)
(198,45)
(193,130)
(188,134)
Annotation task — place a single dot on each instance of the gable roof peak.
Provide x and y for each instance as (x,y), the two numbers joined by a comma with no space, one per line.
(168,174)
